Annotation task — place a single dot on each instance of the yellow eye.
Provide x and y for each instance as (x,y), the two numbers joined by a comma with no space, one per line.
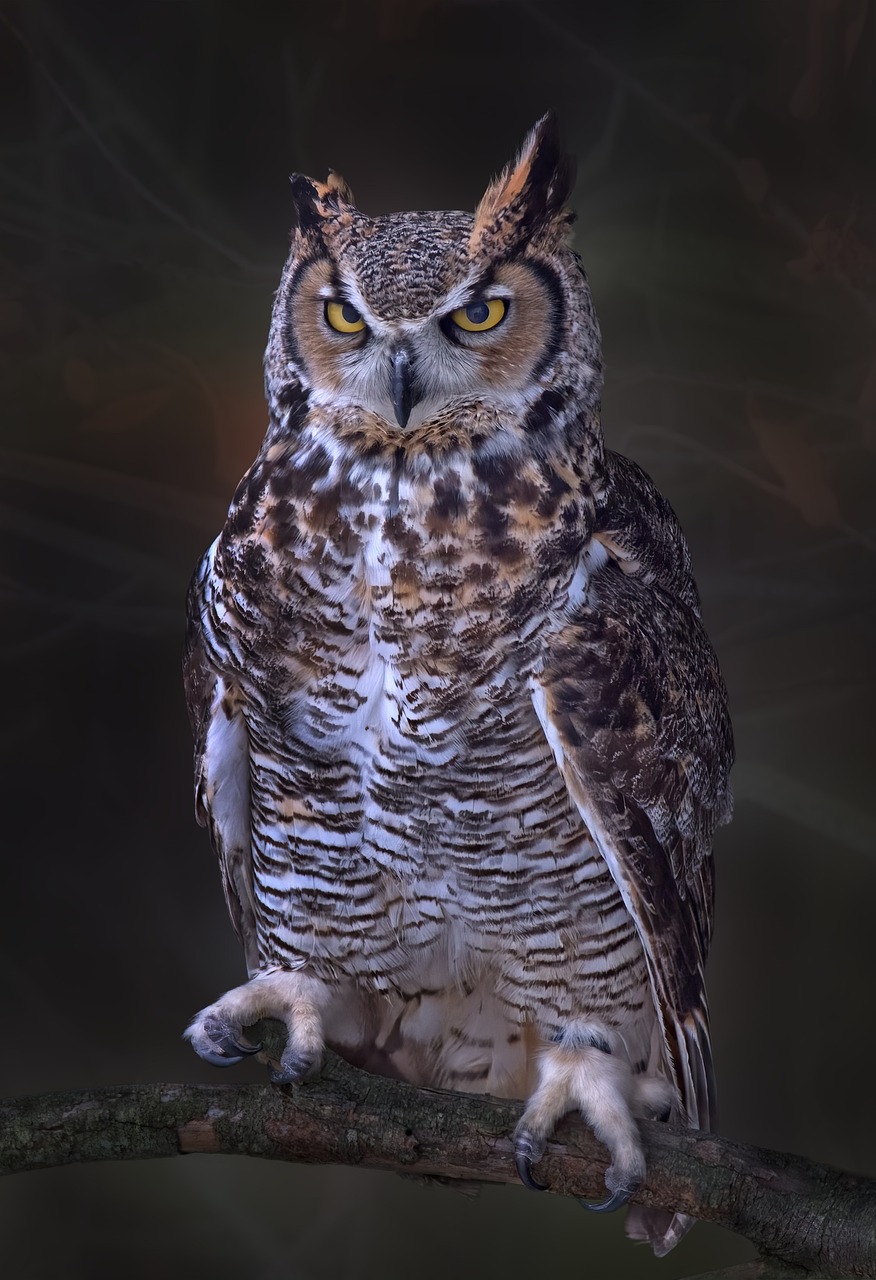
(478,316)
(344,317)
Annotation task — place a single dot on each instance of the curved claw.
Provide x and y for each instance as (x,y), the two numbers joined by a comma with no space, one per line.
(219,1059)
(224,1049)
(247,1050)
(523,1165)
(614,1201)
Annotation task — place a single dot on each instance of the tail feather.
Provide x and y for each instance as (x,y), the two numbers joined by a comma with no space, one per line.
(691,1053)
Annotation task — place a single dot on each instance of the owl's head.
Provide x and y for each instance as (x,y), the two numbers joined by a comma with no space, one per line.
(414,318)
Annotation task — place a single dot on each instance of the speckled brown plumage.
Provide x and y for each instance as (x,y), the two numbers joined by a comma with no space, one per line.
(461,740)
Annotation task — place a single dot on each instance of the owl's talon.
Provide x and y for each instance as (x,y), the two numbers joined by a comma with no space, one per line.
(245,1050)
(219,1058)
(523,1165)
(232,1048)
(226,1048)
(614,1201)
(528,1150)
(216,1041)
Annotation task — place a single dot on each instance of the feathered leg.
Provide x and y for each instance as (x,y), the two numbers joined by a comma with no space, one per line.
(580,1072)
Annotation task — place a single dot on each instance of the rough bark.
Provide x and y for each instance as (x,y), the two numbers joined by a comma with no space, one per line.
(797,1214)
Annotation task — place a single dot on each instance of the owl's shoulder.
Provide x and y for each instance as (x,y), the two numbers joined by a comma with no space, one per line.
(639,528)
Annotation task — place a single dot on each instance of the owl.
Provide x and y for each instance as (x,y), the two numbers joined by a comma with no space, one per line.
(461,740)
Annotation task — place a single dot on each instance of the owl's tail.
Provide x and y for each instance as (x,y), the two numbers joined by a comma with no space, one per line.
(690,1051)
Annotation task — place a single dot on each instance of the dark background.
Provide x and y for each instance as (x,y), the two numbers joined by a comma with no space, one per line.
(728,221)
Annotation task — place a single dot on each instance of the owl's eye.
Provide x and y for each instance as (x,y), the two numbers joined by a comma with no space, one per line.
(343,317)
(478,316)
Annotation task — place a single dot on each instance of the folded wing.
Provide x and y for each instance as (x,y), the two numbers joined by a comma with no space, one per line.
(634,707)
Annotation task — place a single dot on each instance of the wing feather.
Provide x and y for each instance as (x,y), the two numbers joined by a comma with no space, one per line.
(222,797)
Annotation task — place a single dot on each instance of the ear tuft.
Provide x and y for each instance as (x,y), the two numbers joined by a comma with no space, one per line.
(529,198)
(320,204)
(335,185)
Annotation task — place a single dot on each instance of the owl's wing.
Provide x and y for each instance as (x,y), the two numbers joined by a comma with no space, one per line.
(633,705)
(222,787)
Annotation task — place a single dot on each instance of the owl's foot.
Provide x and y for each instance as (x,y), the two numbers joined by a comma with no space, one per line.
(216,1033)
(588,1077)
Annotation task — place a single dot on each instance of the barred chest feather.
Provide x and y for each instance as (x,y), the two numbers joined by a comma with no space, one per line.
(386,619)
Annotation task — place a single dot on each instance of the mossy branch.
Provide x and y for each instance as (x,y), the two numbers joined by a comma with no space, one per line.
(797,1214)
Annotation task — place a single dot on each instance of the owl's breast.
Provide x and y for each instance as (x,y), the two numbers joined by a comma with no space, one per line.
(385,624)
(403,598)
(450,566)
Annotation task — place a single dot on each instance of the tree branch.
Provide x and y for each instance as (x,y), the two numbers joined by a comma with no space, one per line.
(796,1213)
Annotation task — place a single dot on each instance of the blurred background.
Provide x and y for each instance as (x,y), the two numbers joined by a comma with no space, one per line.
(727,217)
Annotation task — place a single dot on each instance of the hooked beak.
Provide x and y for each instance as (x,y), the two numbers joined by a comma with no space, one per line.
(401,386)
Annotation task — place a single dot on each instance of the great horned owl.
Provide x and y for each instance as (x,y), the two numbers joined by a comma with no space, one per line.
(462,741)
